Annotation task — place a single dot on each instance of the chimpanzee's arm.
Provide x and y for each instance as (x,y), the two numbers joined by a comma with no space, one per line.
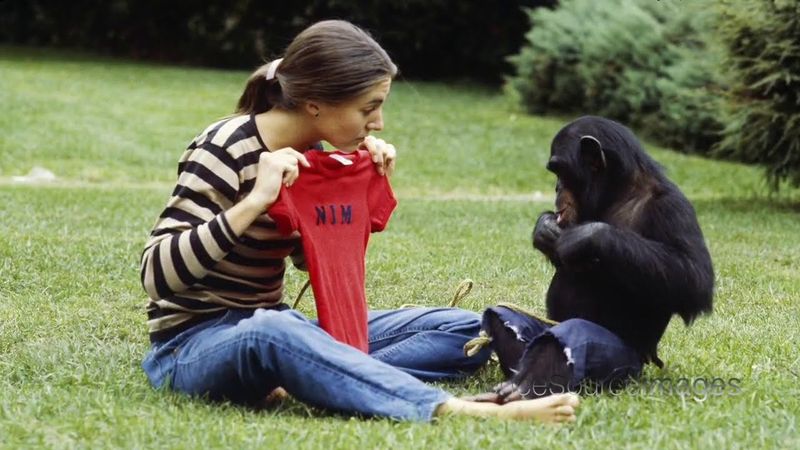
(672,262)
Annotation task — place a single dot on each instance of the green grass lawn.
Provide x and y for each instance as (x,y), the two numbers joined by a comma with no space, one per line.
(470,181)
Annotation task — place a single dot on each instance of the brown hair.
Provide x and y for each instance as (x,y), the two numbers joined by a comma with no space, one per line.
(331,62)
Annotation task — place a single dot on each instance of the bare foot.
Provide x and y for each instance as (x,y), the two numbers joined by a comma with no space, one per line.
(556,408)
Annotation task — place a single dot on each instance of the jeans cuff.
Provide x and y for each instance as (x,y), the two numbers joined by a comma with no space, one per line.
(427,410)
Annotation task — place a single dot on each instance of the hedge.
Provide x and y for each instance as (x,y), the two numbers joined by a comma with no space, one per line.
(648,64)
(762,39)
(427,38)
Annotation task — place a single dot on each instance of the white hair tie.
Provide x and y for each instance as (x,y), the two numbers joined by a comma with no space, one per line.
(273,67)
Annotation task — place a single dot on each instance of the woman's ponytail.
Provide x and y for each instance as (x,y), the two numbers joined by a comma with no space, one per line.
(260,94)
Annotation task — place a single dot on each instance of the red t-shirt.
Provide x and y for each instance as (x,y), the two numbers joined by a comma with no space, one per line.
(335,204)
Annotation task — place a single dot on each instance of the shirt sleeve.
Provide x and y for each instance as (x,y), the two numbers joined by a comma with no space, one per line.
(381,202)
(192,234)
(284,213)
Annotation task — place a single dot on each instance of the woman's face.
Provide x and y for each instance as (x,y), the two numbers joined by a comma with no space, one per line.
(345,125)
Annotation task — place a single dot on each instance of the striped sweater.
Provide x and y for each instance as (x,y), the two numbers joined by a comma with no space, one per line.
(193,267)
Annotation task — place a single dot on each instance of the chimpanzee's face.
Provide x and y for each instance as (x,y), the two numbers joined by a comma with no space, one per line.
(571,183)
(566,201)
(578,162)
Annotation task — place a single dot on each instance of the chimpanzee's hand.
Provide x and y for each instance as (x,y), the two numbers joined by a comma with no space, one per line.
(545,233)
(578,247)
(533,380)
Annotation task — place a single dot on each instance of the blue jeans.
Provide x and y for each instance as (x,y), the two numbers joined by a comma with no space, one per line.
(244,355)
(594,353)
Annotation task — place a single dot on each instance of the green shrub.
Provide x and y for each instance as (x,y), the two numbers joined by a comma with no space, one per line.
(427,38)
(763,115)
(642,62)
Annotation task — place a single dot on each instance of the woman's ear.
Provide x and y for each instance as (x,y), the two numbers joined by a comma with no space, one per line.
(312,109)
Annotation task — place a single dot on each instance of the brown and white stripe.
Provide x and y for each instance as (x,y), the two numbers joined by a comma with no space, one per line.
(194,267)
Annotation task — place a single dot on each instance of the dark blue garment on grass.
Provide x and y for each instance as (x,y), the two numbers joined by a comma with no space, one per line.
(596,354)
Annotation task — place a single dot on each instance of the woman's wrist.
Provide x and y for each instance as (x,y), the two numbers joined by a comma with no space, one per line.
(245,212)
(256,204)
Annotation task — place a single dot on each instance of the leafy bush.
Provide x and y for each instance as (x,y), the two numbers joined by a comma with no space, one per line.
(763,115)
(427,38)
(642,62)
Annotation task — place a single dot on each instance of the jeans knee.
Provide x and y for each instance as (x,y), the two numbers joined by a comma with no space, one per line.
(262,317)
(459,321)
(269,325)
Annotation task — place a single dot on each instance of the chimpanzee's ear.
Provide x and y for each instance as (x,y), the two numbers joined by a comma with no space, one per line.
(592,153)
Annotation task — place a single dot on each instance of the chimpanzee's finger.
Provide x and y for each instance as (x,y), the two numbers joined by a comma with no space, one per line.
(515,395)
(486,397)
(506,388)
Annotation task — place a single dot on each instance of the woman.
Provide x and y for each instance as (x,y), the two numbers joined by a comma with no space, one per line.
(213,267)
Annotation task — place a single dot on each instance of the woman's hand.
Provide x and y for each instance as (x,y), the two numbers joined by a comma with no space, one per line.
(383,154)
(275,168)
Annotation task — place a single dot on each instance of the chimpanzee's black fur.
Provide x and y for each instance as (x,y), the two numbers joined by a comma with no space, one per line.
(624,240)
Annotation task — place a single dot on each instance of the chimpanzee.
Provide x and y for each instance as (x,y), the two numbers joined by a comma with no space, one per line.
(628,254)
